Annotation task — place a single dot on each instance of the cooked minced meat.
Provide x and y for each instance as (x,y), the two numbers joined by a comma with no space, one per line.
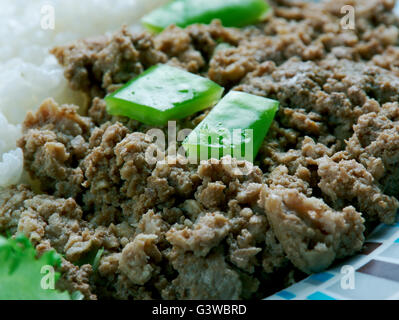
(326,174)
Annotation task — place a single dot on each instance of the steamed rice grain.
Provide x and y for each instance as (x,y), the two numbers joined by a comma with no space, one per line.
(11,159)
(11,166)
(29,74)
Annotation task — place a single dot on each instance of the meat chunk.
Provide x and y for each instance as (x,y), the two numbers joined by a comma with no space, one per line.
(205,278)
(375,143)
(337,92)
(229,66)
(347,181)
(95,65)
(54,141)
(60,222)
(76,279)
(102,64)
(312,234)
(12,205)
(135,259)
(101,173)
(206,233)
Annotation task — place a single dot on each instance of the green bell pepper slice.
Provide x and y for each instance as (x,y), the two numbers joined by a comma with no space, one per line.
(163,93)
(236,126)
(232,13)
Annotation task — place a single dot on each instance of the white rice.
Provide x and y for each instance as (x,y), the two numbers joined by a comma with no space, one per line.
(29,74)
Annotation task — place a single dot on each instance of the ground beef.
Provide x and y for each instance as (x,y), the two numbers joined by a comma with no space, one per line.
(207,232)
(55,141)
(312,234)
(325,173)
(95,64)
(205,278)
(134,262)
(374,144)
(100,64)
(11,204)
(335,92)
(346,181)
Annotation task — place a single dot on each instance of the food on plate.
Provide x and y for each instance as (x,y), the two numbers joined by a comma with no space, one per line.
(29,73)
(323,177)
(182,13)
(163,93)
(236,126)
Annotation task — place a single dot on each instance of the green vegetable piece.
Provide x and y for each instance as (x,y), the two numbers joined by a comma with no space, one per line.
(97,258)
(236,126)
(92,257)
(232,13)
(23,276)
(163,93)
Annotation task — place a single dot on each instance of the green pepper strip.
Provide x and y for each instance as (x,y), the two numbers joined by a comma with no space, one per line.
(163,93)
(236,126)
(232,13)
